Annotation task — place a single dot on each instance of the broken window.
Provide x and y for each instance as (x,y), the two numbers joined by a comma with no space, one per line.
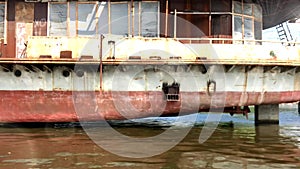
(87,15)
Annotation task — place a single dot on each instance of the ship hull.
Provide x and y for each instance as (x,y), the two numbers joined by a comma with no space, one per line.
(67,106)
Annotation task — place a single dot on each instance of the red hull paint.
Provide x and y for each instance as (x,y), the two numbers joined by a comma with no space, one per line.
(67,106)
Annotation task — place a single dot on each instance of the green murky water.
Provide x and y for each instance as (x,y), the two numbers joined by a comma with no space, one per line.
(236,143)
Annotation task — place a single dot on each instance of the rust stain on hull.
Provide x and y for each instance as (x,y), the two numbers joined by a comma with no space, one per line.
(59,106)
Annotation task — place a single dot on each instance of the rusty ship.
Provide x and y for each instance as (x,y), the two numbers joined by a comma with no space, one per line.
(66,61)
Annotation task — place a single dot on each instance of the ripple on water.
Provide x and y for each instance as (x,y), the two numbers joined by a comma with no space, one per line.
(122,164)
(227,164)
(68,154)
(31,161)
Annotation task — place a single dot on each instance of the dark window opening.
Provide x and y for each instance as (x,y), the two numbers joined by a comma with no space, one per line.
(221,5)
(221,25)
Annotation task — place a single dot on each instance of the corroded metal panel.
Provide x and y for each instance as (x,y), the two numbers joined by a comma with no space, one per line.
(24,12)
(62,79)
(47,94)
(122,49)
(25,80)
(80,46)
(58,106)
(24,16)
(146,47)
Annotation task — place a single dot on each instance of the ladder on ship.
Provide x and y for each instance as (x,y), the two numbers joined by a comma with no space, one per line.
(284,34)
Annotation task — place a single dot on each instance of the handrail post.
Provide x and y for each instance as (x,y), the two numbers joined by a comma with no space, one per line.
(166,19)
(101,63)
(175,22)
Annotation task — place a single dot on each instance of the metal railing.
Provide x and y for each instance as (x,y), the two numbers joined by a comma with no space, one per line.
(233,41)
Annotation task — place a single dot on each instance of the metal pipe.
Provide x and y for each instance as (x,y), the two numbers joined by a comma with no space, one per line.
(76,19)
(101,63)
(69,20)
(132,17)
(97,18)
(166,19)
(109,17)
(140,13)
(175,22)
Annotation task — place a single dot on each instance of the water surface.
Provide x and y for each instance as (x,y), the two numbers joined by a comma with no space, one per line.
(236,143)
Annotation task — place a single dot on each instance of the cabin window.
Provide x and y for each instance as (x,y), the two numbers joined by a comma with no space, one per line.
(221,25)
(238,32)
(257,12)
(119,18)
(248,28)
(72,30)
(58,19)
(103,18)
(238,7)
(2,19)
(136,19)
(93,18)
(73,19)
(257,30)
(149,19)
(247,20)
(87,19)
(145,21)
(247,9)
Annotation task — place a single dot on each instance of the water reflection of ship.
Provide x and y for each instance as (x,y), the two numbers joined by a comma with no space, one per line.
(241,147)
(228,147)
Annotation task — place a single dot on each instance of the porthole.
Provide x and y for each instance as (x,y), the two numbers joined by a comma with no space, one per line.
(18,73)
(66,73)
(80,73)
